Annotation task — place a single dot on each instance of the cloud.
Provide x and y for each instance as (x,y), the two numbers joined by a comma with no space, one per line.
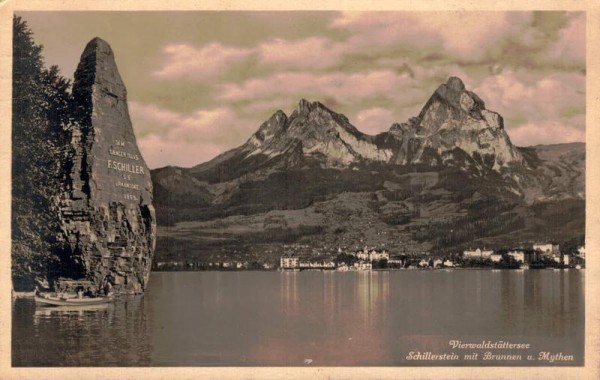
(149,118)
(187,61)
(185,139)
(514,39)
(541,97)
(380,28)
(470,34)
(374,120)
(571,41)
(551,41)
(551,132)
(466,34)
(340,85)
(313,52)
(546,109)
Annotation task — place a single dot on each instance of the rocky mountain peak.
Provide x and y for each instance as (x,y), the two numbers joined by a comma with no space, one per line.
(305,107)
(455,117)
(316,116)
(455,84)
(316,132)
(454,94)
(316,108)
(273,126)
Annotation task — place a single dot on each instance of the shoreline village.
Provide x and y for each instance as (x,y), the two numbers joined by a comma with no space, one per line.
(307,258)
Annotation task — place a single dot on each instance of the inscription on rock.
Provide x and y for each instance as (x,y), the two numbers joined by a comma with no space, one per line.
(125,172)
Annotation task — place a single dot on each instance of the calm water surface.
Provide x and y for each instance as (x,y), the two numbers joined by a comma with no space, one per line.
(336,319)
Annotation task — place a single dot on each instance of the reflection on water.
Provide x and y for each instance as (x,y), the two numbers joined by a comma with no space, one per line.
(289,292)
(109,335)
(373,290)
(283,318)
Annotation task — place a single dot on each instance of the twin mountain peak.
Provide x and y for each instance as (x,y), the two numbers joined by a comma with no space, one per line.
(453,125)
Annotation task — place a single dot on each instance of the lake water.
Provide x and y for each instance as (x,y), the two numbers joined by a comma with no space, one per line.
(335,319)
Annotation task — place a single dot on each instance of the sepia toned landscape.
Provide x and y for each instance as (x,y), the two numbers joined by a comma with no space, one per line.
(340,189)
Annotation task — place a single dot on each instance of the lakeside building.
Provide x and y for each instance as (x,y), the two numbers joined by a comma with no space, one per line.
(547,248)
(372,255)
(394,260)
(517,255)
(375,255)
(562,259)
(316,265)
(496,257)
(363,255)
(578,260)
(448,263)
(289,262)
(363,265)
(478,253)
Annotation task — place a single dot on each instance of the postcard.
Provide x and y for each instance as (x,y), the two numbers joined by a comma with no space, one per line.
(250,190)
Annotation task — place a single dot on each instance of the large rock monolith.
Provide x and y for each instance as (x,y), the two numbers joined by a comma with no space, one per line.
(107,214)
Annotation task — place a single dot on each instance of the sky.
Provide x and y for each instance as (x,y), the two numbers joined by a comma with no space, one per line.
(201,83)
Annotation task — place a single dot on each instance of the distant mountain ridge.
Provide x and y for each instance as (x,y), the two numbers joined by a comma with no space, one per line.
(454,154)
(452,118)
